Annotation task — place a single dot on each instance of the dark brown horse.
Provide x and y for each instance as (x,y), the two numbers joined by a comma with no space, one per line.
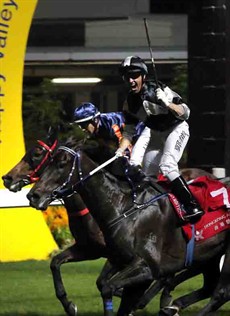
(89,239)
(29,169)
(140,239)
(90,242)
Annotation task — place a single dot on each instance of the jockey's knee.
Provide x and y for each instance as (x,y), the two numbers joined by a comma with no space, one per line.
(170,172)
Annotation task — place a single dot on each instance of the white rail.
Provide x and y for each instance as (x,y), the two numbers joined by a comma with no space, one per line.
(10,199)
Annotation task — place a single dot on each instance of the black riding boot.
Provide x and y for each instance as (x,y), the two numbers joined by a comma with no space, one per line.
(181,190)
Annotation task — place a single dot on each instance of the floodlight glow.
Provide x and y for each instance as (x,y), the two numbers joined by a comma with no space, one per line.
(76,80)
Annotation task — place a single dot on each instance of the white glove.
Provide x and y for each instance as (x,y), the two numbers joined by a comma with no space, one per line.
(119,152)
(161,96)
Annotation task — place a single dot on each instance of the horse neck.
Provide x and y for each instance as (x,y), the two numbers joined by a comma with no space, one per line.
(102,194)
(82,227)
(104,201)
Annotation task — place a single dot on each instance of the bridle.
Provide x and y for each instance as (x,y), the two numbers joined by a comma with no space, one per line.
(49,151)
(65,189)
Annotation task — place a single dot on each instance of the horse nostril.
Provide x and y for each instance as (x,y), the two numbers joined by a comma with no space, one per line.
(56,194)
(7,180)
(33,196)
(6,177)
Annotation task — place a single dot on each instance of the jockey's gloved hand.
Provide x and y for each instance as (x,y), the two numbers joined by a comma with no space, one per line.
(162,97)
(119,153)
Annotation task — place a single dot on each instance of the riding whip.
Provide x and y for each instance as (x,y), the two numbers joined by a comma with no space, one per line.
(69,191)
(106,163)
(151,52)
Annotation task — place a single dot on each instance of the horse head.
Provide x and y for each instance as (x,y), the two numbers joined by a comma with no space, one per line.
(67,173)
(32,164)
(58,176)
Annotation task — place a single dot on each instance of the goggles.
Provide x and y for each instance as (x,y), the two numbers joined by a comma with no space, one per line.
(85,124)
(133,75)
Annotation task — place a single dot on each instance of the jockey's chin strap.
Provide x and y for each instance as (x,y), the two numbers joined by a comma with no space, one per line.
(33,177)
(63,190)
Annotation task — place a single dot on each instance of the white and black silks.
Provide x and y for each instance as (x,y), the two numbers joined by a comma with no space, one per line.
(145,107)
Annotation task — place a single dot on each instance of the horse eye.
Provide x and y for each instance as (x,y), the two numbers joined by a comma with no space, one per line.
(61,164)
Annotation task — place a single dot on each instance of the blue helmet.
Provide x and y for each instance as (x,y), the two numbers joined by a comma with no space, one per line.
(85,112)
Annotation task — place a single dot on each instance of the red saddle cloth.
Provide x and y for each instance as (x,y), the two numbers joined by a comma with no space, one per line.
(214,199)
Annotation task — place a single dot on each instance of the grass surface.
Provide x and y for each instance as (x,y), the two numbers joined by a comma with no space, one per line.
(26,288)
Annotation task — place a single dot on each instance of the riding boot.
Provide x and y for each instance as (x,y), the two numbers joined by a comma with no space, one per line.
(182,192)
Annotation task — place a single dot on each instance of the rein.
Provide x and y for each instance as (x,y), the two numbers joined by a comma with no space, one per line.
(62,190)
(135,209)
(50,150)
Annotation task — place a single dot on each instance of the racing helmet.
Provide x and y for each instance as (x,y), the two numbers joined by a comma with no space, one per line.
(85,112)
(132,64)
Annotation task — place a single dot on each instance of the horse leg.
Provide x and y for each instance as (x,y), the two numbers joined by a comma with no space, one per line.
(149,293)
(211,275)
(130,296)
(106,273)
(67,255)
(166,297)
(135,274)
(75,253)
(221,295)
(169,284)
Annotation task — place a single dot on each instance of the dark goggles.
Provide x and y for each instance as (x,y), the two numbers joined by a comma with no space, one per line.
(133,75)
(85,124)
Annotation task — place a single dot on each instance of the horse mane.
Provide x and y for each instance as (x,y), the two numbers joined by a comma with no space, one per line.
(73,142)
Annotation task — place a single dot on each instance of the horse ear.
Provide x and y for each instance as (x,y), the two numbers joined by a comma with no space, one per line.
(52,134)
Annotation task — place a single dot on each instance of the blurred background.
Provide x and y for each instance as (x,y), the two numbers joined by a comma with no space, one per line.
(89,39)
(86,40)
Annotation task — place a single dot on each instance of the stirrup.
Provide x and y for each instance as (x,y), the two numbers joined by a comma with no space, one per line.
(194,216)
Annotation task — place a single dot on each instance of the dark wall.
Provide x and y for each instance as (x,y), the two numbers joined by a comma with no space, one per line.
(227,120)
(208,82)
(168,6)
(57,33)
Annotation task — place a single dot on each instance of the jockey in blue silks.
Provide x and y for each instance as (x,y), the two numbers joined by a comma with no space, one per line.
(103,125)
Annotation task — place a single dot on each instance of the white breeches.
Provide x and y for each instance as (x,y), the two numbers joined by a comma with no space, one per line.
(140,147)
(164,151)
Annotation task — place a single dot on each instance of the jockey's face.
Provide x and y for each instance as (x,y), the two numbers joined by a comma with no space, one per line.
(135,81)
(89,126)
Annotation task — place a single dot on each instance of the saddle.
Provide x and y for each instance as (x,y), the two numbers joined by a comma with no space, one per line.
(214,198)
